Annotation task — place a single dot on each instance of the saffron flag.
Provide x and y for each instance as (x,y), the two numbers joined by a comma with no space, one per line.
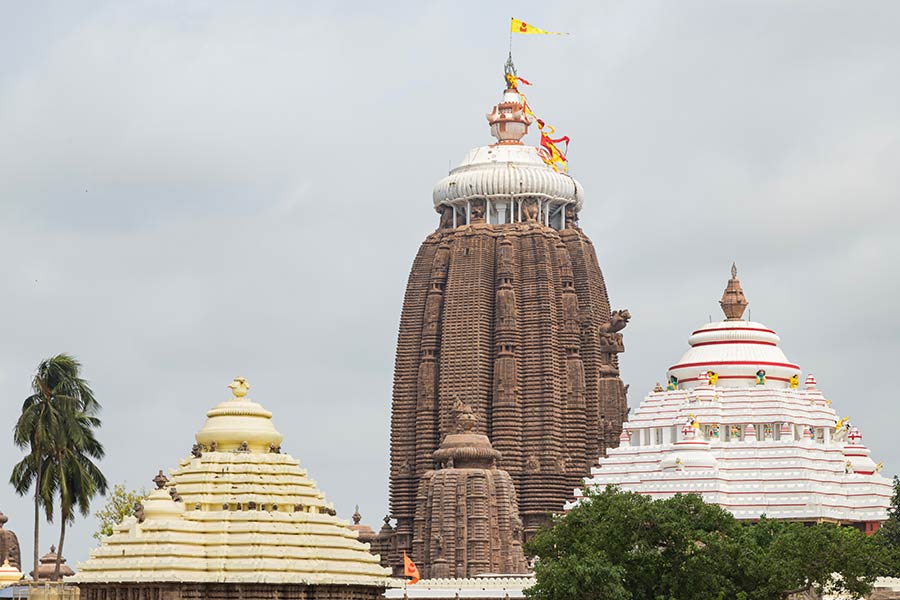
(517,26)
(410,569)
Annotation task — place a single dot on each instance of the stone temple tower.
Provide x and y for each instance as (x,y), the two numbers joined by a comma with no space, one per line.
(506,311)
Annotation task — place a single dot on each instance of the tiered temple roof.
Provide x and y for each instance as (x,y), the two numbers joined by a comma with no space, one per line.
(238,511)
(734,425)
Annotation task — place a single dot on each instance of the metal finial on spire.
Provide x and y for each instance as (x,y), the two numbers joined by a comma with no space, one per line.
(509,68)
(733,301)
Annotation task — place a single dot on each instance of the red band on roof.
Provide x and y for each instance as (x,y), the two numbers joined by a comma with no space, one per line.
(733,342)
(735,329)
(736,363)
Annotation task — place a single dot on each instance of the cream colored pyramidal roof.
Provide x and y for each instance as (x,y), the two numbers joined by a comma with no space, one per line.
(237,511)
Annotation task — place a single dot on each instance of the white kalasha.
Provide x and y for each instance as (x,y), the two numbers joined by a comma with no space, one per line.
(753,448)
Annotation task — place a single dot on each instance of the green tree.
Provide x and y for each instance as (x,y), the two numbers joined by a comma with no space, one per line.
(889,534)
(119,504)
(77,478)
(618,545)
(59,414)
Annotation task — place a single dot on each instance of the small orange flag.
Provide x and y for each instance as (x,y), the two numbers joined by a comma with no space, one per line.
(410,569)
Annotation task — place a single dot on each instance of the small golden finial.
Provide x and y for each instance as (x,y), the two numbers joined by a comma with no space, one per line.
(733,301)
(239,387)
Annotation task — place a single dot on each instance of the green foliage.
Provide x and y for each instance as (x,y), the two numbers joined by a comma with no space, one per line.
(56,427)
(889,534)
(119,504)
(617,545)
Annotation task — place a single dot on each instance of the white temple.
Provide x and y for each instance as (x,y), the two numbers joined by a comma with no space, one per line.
(734,426)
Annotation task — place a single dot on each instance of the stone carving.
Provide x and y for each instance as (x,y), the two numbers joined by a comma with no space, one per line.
(213,446)
(9,545)
(611,342)
(273,449)
(239,387)
(516,321)
(196,451)
(175,495)
(160,480)
(571,217)
(139,512)
(446,217)
(531,210)
(244,447)
(476,211)
(466,536)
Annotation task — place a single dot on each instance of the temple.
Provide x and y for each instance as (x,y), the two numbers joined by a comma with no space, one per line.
(507,311)
(237,519)
(734,425)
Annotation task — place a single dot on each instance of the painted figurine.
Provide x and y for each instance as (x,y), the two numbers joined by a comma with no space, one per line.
(795,381)
(712,377)
(673,383)
(760,377)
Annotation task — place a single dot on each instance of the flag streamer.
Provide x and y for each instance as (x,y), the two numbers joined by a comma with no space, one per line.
(551,154)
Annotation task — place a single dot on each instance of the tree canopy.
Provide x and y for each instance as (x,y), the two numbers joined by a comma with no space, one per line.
(618,545)
(120,503)
(57,428)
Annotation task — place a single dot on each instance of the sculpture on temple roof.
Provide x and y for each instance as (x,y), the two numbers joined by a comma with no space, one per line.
(9,545)
(795,381)
(672,384)
(160,480)
(760,377)
(239,387)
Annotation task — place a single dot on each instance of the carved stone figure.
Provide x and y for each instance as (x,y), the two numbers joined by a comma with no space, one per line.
(160,480)
(476,211)
(196,451)
(531,210)
(139,512)
(446,217)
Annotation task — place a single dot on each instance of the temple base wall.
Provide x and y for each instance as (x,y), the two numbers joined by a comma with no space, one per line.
(225,591)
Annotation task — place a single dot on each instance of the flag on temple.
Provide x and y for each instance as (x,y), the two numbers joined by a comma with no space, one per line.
(517,26)
(410,569)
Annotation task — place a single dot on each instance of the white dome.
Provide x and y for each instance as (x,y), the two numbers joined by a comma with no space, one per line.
(506,171)
(735,350)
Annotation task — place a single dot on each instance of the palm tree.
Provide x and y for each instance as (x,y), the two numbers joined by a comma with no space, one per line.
(77,478)
(59,395)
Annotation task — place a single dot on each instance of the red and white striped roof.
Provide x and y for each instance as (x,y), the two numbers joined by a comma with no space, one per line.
(754,445)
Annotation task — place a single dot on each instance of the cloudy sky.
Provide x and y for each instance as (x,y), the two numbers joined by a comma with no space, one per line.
(191,191)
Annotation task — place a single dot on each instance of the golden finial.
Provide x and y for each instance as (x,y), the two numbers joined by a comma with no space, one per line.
(239,387)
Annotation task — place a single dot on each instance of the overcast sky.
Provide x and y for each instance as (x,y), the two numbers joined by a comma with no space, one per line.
(191,191)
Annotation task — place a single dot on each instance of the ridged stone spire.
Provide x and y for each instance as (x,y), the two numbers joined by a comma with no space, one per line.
(467,515)
(733,301)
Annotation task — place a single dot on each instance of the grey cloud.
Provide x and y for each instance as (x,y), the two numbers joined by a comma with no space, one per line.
(190,193)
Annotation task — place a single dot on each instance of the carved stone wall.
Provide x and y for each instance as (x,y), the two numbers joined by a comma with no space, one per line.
(467,516)
(224,591)
(515,319)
